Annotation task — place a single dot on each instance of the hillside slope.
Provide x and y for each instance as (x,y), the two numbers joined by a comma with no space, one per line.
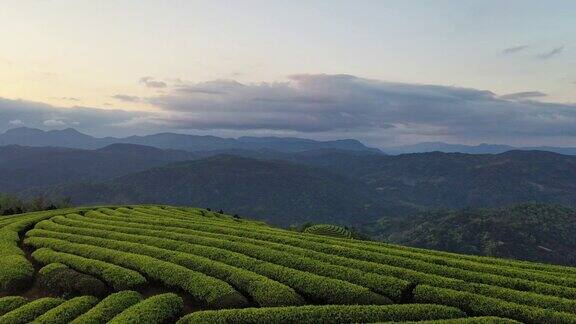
(161,264)
(343,187)
(455,180)
(24,167)
(280,192)
(537,232)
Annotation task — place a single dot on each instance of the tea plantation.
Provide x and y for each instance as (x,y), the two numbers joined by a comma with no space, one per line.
(329,230)
(161,264)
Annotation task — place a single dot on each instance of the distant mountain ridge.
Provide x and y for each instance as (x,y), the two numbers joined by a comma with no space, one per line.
(72,138)
(23,167)
(457,180)
(381,185)
(483,148)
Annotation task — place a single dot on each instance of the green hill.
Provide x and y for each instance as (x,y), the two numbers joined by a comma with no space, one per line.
(280,192)
(161,264)
(533,231)
(328,230)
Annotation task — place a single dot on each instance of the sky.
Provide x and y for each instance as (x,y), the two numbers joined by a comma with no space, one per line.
(384,72)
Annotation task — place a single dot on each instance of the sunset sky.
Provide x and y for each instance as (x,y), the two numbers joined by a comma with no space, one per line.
(383,72)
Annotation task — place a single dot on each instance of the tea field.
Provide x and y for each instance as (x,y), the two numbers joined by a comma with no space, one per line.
(162,264)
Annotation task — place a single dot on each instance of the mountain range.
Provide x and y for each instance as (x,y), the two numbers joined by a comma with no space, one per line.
(473,203)
(288,188)
(472,149)
(72,138)
(23,167)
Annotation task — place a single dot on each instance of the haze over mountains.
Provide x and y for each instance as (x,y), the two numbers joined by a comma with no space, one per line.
(23,167)
(292,181)
(72,138)
(280,192)
(472,149)
(291,187)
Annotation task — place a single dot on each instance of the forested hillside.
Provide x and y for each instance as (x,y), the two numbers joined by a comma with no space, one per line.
(23,167)
(538,232)
(349,188)
(279,192)
(344,187)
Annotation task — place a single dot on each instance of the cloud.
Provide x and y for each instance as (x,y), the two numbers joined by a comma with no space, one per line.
(151,83)
(70,98)
(323,107)
(127,98)
(550,54)
(92,120)
(514,49)
(16,122)
(211,87)
(54,123)
(345,106)
(523,95)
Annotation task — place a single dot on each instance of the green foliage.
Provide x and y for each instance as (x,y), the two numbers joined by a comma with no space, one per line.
(328,230)
(537,232)
(481,306)
(393,287)
(67,282)
(217,260)
(10,303)
(30,311)
(403,264)
(47,269)
(264,291)
(326,314)
(208,290)
(118,277)
(156,309)
(356,250)
(16,271)
(11,205)
(469,320)
(109,307)
(67,311)
(312,286)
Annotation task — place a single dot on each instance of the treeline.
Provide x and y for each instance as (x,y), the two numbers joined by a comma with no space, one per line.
(10,205)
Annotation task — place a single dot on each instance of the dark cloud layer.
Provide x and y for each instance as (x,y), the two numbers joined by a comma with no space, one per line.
(343,104)
(325,106)
(20,113)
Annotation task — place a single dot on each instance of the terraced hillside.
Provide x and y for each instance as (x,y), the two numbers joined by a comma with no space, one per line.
(158,264)
(328,230)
